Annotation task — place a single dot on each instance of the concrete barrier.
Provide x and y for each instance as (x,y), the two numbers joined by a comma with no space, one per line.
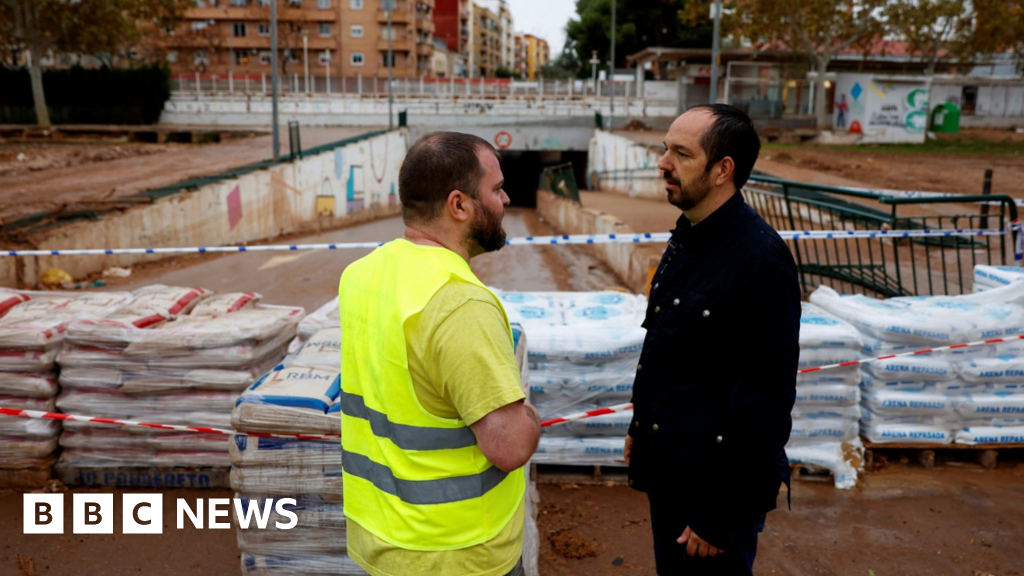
(353,182)
(630,262)
(617,164)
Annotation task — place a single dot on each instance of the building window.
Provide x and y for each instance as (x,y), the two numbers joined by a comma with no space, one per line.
(295,3)
(384,59)
(172,56)
(264,29)
(325,57)
(355,4)
(324,28)
(265,58)
(239,29)
(201,58)
(263,2)
(239,3)
(241,57)
(357,58)
(356,31)
(323,4)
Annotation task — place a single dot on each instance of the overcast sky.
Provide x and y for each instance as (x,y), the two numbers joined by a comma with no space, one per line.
(544,18)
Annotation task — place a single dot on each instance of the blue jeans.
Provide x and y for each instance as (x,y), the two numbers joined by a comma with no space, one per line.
(669,518)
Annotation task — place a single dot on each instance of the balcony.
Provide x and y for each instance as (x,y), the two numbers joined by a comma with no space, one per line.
(426,25)
(403,45)
(401,15)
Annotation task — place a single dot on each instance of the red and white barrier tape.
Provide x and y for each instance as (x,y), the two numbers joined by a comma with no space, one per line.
(37,414)
(40,415)
(914,353)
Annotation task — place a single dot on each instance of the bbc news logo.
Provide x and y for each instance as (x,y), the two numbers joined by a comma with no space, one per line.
(144,513)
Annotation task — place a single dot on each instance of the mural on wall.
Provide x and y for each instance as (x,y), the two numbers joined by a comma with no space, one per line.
(882,109)
(234,201)
(355,190)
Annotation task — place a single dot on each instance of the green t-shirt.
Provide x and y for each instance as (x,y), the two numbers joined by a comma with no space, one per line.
(463,366)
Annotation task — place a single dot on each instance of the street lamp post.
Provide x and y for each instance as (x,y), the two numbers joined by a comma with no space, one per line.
(611,74)
(274,79)
(388,6)
(715,49)
(594,61)
(305,56)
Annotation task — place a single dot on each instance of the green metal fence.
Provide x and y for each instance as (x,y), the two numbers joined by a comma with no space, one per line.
(879,266)
(560,180)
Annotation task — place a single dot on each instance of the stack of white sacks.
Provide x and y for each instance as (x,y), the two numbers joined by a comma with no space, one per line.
(170,355)
(989,277)
(584,349)
(826,413)
(301,396)
(32,328)
(970,395)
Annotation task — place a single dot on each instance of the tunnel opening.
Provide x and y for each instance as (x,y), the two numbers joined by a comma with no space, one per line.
(522,169)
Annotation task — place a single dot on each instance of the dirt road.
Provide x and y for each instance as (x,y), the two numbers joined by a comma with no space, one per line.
(76,171)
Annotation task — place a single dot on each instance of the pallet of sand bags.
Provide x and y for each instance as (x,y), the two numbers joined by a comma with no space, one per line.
(283,481)
(311,510)
(615,425)
(113,476)
(291,399)
(28,384)
(322,350)
(40,322)
(823,429)
(247,326)
(989,277)
(300,540)
(236,357)
(253,451)
(113,404)
(299,565)
(156,440)
(584,451)
(147,381)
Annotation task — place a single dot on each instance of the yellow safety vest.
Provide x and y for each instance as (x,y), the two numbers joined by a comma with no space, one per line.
(412,479)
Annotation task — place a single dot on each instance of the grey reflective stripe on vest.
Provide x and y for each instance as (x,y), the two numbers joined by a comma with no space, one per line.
(405,436)
(420,492)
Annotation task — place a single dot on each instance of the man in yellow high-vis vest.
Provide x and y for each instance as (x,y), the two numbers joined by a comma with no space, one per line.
(434,424)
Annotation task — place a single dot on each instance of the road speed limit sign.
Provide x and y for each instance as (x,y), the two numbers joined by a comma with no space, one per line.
(503,140)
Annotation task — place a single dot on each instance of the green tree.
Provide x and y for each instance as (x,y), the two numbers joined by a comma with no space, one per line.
(504,72)
(98,27)
(565,67)
(934,29)
(639,24)
(1000,27)
(818,29)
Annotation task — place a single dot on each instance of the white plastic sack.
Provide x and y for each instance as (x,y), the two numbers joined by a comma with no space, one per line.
(609,425)
(324,317)
(990,405)
(322,350)
(1004,369)
(908,403)
(924,368)
(30,384)
(249,326)
(290,399)
(989,277)
(827,395)
(252,451)
(817,430)
(221,304)
(591,451)
(819,329)
(284,481)
(991,435)
(882,433)
(841,460)
(814,357)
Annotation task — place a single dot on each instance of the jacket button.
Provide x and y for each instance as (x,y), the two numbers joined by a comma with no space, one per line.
(675,302)
(630,481)
(637,422)
(656,285)
(639,367)
(706,313)
(718,440)
(654,428)
(657,309)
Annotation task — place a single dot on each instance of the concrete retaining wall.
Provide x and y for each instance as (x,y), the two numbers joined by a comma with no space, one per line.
(617,164)
(628,261)
(351,183)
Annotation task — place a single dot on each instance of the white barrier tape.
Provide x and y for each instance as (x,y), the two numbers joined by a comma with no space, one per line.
(659,237)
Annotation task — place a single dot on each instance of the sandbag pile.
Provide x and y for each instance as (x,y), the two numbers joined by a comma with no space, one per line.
(968,395)
(32,330)
(170,355)
(825,430)
(584,348)
(989,277)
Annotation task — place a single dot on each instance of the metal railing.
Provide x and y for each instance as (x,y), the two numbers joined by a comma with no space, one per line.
(886,266)
(561,181)
(881,266)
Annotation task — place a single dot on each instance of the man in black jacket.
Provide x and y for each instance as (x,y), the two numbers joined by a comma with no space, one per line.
(717,376)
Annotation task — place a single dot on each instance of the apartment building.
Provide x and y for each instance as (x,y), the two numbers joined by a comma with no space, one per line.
(537,55)
(350,37)
(505,30)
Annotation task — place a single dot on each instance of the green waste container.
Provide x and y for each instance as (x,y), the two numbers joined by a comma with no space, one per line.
(946,118)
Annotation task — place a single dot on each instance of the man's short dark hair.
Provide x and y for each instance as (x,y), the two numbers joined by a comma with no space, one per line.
(435,165)
(732,134)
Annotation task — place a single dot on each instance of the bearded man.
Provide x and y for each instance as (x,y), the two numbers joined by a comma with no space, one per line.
(711,419)
(434,424)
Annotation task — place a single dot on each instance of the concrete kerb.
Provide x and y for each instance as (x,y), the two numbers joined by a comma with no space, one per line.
(632,263)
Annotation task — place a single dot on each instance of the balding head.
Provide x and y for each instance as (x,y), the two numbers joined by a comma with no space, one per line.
(436,165)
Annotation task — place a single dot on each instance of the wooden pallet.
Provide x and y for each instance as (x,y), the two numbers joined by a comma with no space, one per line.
(159,477)
(986,455)
(586,475)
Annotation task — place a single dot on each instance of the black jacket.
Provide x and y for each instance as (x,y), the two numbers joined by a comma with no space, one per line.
(716,380)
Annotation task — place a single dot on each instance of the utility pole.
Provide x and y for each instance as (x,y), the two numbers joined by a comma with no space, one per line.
(305,56)
(273,78)
(594,61)
(389,5)
(716,13)
(611,73)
